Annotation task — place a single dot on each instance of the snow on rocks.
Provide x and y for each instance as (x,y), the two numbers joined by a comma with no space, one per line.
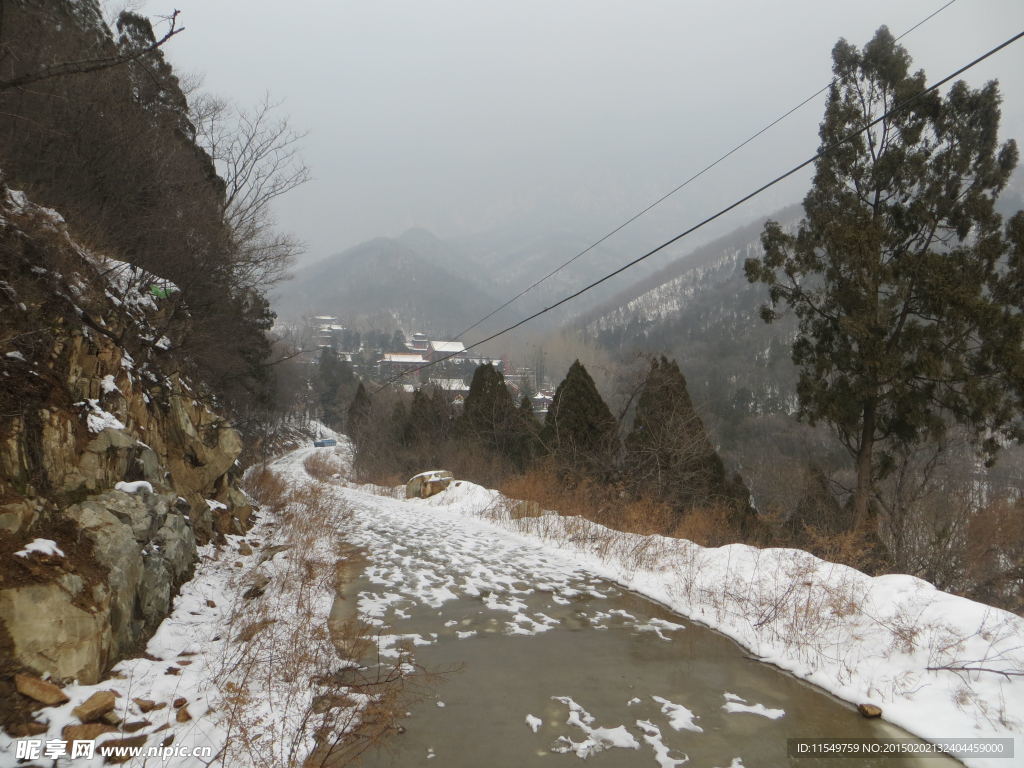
(209,670)
(46,547)
(98,419)
(134,487)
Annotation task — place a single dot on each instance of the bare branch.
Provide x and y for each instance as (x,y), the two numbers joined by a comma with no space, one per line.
(84,66)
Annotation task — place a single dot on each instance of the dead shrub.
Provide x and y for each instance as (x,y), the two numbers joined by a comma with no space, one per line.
(323,465)
(995,555)
(331,693)
(267,488)
(709,526)
(850,548)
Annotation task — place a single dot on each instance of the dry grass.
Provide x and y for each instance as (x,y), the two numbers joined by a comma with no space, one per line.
(324,466)
(267,488)
(299,685)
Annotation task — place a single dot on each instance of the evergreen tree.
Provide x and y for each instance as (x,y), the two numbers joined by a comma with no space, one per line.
(430,418)
(487,410)
(909,313)
(359,414)
(333,382)
(579,429)
(668,451)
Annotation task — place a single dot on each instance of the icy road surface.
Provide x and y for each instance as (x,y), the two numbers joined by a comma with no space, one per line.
(556,665)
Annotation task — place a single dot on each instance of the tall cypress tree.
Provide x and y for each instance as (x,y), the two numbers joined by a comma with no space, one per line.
(487,410)
(491,419)
(359,414)
(668,452)
(579,428)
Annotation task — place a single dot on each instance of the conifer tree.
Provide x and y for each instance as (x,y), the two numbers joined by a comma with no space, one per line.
(490,417)
(909,312)
(333,383)
(487,410)
(668,452)
(430,418)
(579,429)
(359,414)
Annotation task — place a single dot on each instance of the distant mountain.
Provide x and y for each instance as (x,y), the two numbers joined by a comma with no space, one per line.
(701,310)
(408,282)
(418,280)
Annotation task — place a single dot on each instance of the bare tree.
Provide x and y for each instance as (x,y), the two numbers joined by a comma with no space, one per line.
(256,154)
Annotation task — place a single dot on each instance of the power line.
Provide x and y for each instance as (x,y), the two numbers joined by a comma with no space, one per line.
(686,183)
(720,213)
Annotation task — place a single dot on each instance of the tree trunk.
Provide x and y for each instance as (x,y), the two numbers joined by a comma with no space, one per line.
(862,494)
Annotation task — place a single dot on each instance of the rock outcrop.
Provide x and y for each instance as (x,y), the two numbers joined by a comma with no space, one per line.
(106,450)
(427,484)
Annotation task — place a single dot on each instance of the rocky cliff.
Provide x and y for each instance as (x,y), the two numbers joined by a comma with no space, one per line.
(113,466)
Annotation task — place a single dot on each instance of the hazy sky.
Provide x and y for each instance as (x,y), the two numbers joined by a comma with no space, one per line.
(465,116)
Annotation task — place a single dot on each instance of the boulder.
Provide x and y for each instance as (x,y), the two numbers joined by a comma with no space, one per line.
(148,705)
(95,707)
(31,728)
(116,550)
(18,515)
(123,744)
(39,690)
(427,484)
(50,633)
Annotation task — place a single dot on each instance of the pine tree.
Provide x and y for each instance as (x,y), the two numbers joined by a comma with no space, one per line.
(430,418)
(668,452)
(910,315)
(359,414)
(490,418)
(579,429)
(487,410)
(333,382)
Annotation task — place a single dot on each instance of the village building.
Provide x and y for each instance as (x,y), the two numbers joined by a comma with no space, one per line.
(452,351)
(419,342)
(395,363)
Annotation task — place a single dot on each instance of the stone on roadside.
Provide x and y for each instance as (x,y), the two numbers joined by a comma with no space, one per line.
(31,728)
(40,690)
(86,732)
(148,705)
(113,745)
(95,707)
(869,710)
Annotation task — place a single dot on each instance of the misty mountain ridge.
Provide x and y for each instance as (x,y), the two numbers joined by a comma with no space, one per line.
(420,281)
(388,282)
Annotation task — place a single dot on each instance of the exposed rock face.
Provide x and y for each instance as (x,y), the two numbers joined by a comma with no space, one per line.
(90,397)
